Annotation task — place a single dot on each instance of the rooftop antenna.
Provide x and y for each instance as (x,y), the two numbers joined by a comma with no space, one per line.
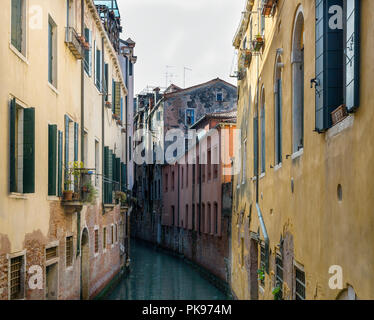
(184,75)
(167,74)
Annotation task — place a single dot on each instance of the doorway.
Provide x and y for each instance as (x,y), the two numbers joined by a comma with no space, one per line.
(51,282)
(85,266)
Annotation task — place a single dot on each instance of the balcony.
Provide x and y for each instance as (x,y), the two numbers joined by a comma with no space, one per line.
(75,43)
(79,189)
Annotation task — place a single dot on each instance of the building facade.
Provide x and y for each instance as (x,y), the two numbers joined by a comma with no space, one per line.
(302,219)
(62,232)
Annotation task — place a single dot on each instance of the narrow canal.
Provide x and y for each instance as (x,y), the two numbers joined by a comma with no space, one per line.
(158,276)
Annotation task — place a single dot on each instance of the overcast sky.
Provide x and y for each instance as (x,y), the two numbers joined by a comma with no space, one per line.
(193,33)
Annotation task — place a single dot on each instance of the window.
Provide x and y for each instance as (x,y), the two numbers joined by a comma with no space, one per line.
(166,182)
(22,149)
(96,241)
(297,61)
(97,163)
(88,52)
(51,253)
(278,112)
(216,218)
(17,278)
(182,178)
(263,136)
(187,173)
(18,28)
(69,251)
(186,216)
(98,70)
(219,95)
(52,52)
(173,214)
(130,149)
(104,238)
(244,162)
(279,274)
(209,218)
(262,263)
(203,218)
(172,181)
(255,143)
(193,217)
(190,117)
(131,68)
(300,284)
(116,232)
(263,23)
(215,163)
(209,165)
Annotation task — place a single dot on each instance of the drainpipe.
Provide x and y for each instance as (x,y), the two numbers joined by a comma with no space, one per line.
(259,213)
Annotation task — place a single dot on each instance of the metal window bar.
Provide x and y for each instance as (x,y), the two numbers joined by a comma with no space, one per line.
(96,241)
(69,251)
(16,277)
(263,261)
(51,253)
(279,273)
(300,285)
(78,180)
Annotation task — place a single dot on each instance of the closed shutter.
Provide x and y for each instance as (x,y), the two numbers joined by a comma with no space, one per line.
(106,75)
(16,33)
(98,69)
(118,172)
(106,173)
(59,175)
(90,53)
(117,98)
(255,145)
(12,147)
(280,111)
(52,159)
(114,168)
(87,53)
(113,96)
(329,65)
(110,177)
(67,120)
(29,150)
(352,90)
(76,129)
(123,177)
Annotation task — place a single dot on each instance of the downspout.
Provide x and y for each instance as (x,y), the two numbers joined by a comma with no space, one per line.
(259,213)
(82,122)
(102,122)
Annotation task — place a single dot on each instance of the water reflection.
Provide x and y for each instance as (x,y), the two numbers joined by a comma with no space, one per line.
(159,276)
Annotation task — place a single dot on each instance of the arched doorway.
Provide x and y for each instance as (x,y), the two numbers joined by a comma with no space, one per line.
(85,266)
(297,61)
(347,294)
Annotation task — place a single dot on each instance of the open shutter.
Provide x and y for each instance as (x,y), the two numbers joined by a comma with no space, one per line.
(76,127)
(117,98)
(106,79)
(12,147)
(59,176)
(255,145)
(352,90)
(106,173)
(52,159)
(29,150)
(329,64)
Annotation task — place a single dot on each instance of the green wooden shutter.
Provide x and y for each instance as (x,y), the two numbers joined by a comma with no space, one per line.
(59,175)
(106,173)
(12,147)
(329,65)
(124,177)
(98,69)
(110,176)
(113,96)
(118,173)
(76,128)
(16,32)
(29,150)
(106,79)
(117,98)
(352,69)
(66,166)
(52,159)
(255,145)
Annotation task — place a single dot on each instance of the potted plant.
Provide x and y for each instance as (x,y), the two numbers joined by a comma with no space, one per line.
(259,38)
(86,45)
(108,104)
(277,292)
(90,193)
(67,194)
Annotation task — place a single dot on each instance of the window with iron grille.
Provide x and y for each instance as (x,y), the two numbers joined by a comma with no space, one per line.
(263,263)
(279,274)
(69,251)
(17,278)
(112,232)
(51,253)
(104,238)
(96,241)
(300,284)
(116,233)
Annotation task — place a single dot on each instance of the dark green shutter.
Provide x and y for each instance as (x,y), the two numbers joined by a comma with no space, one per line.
(16,32)
(123,177)
(118,172)
(98,69)
(52,159)
(66,166)
(59,178)
(113,96)
(12,147)
(29,150)
(106,79)
(352,93)
(329,65)
(110,176)
(255,145)
(106,173)
(278,123)
(76,127)
(117,98)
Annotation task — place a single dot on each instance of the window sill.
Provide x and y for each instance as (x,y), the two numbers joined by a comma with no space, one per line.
(297,154)
(340,127)
(53,198)
(18,196)
(18,54)
(53,88)
(278,167)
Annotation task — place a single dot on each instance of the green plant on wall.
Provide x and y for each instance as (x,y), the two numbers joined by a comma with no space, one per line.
(261,274)
(277,292)
(91,192)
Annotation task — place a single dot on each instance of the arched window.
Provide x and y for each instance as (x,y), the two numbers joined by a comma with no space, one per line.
(297,61)
(209,218)
(263,137)
(278,110)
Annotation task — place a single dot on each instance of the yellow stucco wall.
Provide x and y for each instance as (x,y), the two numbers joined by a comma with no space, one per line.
(26,79)
(325,231)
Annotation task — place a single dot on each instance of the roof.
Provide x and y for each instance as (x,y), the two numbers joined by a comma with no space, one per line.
(243,23)
(197,86)
(111,4)
(224,116)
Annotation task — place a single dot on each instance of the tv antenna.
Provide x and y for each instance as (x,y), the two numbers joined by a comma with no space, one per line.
(184,75)
(168,75)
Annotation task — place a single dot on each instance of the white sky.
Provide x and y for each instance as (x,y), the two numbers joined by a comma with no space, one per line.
(194,33)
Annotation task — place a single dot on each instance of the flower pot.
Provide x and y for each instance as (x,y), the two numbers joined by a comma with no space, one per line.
(67,195)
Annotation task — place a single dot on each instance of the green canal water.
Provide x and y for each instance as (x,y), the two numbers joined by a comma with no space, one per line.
(156,275)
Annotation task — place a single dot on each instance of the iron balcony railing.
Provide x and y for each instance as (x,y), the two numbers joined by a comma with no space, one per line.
(80,185)
(74,42)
